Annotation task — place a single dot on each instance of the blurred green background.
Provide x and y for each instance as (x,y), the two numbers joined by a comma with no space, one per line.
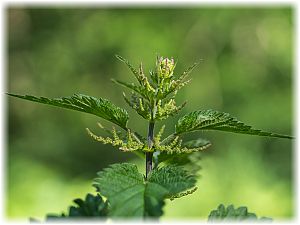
(247,71)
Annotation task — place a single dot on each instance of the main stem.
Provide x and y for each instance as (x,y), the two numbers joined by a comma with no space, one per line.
(150,144)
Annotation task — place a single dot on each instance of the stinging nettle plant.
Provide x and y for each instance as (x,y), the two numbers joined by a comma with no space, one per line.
(171,164)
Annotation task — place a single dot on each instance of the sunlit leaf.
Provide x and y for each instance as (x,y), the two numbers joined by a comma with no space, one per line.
(130,195)
(214,120)
(84,103)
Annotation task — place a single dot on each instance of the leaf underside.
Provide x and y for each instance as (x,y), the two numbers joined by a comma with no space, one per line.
(214,120)
(190,161)
(234,215)
(130,195)
(84,103)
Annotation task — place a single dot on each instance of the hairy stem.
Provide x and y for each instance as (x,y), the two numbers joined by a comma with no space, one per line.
(150,144)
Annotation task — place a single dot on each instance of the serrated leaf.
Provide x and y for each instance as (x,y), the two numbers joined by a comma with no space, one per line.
(173,178)
(196,143)
(130,195)
(127,193)
(232,214)
(214,120)
(190,161)
(182,194)
(84,103)
(92,206)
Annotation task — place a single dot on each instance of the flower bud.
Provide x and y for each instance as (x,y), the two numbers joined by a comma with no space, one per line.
(165,67)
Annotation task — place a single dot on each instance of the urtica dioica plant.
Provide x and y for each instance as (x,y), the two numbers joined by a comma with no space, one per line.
(171,164)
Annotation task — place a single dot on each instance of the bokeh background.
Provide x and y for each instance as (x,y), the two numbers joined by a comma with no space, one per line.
(247,70)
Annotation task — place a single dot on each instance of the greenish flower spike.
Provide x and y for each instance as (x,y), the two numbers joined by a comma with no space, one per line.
(126,143)
(165,67)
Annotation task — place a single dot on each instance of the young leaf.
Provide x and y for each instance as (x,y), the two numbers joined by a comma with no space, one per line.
(214,120)
(84,103)
(140,105)
(233,215)
(130,66)
(130,195)
(137,89)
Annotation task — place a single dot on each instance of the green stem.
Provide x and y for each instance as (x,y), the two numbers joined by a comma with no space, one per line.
(149,155)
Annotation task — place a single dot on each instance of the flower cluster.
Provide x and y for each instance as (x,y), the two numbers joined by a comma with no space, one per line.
(165,67)
(154,98)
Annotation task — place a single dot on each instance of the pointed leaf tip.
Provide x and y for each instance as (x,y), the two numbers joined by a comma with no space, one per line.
(214,120)
(84,103)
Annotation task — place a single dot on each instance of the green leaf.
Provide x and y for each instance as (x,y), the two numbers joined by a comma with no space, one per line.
(190,161)
(188,70)
(173,178)
(92,206)
(138,89)
(130,195)
(234,215)
(130,66)
(84,103)
(199,142)
(127,193)
(214,120)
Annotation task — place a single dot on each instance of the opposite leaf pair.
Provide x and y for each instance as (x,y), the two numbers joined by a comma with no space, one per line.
(128,192)
(131,195)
